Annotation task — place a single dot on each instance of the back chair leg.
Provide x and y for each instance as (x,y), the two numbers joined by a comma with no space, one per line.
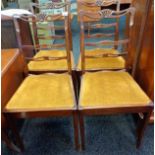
(82,131)
(141,128)
(70,35)
(76,130)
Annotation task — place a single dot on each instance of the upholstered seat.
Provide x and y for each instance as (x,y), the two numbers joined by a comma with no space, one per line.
(102,63)
(43,92)
(110,89)
(50,65)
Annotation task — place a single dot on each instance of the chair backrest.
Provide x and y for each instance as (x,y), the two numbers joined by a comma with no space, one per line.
(106,3)
(48,18)
(100,15)
(103,4)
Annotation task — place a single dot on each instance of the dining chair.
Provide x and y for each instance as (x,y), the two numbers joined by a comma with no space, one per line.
(46,94)
(110,92)
(44,50)
(97,62)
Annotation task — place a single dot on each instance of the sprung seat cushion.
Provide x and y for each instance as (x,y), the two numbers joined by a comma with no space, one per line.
(43,92)
(102,63)
(50,65)
(110,90)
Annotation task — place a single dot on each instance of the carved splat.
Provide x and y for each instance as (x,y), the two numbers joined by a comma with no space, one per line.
(41,17)
(106,2)
(105,13)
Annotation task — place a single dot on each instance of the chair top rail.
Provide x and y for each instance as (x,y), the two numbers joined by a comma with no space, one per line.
(41,17)
(108,13)
(100,3)
(50,5)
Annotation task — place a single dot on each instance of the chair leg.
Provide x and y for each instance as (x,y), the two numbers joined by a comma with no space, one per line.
(7,141)
(82,131)
(70,35)
(76,131)
(78,81)
(141,128)
(12,126)
(70,40)
(75,83)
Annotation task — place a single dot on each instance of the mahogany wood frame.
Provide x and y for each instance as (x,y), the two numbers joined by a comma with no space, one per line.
(147,110)
(12,116)
(108,111)
(61,112)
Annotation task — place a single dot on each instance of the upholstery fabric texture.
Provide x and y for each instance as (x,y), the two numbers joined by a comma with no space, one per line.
(43,92)
(111,89)
(101,63)
(49,65)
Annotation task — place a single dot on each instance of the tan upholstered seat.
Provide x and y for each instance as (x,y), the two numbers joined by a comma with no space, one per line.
(48,65)
(110,89)
(43,92)
(102,63)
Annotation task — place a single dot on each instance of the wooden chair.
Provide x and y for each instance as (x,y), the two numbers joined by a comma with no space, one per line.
(110,92)
(48,94)
(100,62)
(46,50)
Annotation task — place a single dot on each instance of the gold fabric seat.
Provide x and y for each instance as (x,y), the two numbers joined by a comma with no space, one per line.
(102,63)
(50,65)
(111,89)
(43,92)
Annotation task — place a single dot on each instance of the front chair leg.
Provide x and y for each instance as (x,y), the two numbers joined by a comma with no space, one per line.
(82,131)
(9,143)
(76,130)
(141,128)
(75,83)
(12,126)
